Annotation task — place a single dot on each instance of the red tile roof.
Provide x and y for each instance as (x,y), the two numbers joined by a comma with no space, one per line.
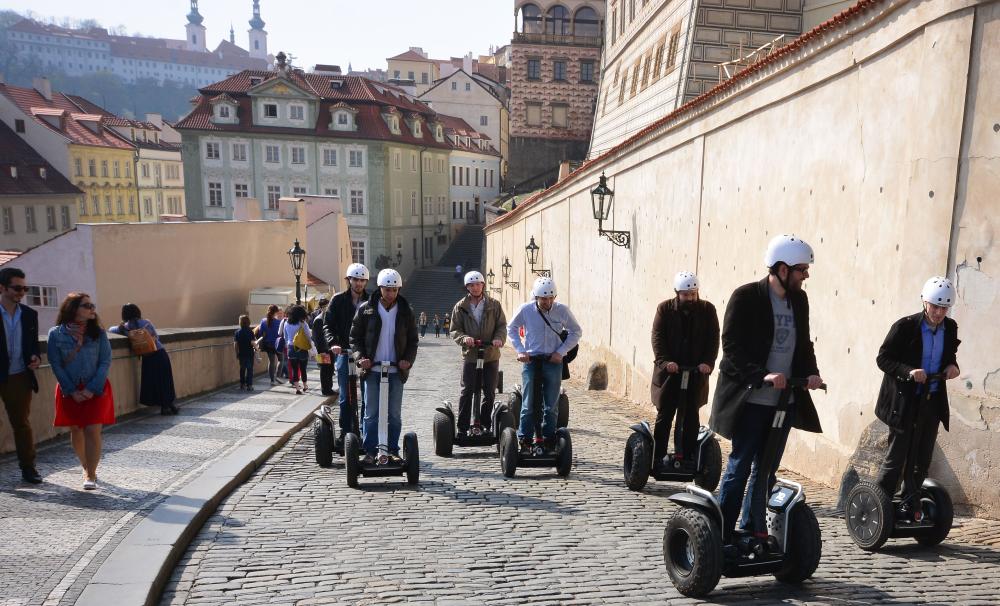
(411,55)
(30,101)
(8,255)
(787,54)
(15,152)
(458,127)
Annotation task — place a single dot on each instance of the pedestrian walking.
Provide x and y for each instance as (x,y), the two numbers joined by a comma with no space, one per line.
(80,355)
(156,384)
(298,343)
(267,340)
(437,325)
(282,346)
(323,355)
(446,324)
(458,271)
(243,344)
(20,356)
(423,324)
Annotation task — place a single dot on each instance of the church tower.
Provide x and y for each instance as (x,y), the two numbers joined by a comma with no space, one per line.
(258,37)
(195,30)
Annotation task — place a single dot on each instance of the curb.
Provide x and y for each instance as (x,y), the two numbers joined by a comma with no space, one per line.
(136,572)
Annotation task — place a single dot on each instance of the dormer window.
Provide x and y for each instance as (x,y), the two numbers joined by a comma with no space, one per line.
(42,172)
(13,172)
(223,111)
(270,110)
(255,80)
(394,125)
(342,119)
(417,131)
(439,133)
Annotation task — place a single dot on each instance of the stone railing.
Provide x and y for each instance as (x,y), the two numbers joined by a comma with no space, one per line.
(203,359)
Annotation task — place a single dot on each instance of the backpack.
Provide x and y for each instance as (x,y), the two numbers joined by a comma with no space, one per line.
(301,340)
(140,340)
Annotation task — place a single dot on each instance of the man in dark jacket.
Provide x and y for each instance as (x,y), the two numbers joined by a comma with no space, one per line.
(384,330)
(322,347)
(337,329)
(685,333)
(765,337)
(916,346)
(19,357)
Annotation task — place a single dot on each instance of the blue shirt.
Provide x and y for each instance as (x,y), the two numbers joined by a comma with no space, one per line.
(539,339)
(12,328)
(932,350)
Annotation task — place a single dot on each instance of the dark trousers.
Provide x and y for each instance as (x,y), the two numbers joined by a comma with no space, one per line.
(912,445)
(423,329)
(488,389)
(326,379)
(16,395)
(246,369)
(297,368)
(686,431)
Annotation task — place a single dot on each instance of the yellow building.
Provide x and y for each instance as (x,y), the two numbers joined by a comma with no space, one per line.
(416,66)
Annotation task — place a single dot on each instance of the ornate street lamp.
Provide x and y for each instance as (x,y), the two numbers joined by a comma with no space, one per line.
(601,199)
(505,270)
(399,258)
(297,255)
(439,229)
(531,250)
(490,278)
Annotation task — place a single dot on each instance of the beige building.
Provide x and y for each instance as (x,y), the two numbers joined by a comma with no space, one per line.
(827,141)
(415,66)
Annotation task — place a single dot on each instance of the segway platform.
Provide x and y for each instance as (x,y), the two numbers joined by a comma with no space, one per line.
(445,435)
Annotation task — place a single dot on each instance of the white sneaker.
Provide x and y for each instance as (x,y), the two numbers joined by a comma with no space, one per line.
(90,484)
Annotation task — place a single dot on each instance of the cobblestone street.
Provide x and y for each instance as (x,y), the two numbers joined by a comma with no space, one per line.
(296,534)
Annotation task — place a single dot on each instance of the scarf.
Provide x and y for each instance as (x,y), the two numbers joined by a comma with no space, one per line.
(77,331)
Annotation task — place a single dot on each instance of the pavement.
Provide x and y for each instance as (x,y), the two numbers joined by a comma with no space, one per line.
(296,534)
(160,476)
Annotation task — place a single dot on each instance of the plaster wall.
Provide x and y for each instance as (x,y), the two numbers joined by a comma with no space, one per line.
(880,147)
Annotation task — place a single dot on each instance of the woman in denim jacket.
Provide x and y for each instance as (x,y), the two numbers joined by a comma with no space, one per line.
(80,355)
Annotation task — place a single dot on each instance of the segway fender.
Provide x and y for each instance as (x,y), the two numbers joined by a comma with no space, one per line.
(446,410)
(696,501)
(704,433)
(643,428)
(932,483)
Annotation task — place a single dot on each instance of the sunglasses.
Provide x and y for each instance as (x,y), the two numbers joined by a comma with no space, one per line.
(88,306)
(18,288)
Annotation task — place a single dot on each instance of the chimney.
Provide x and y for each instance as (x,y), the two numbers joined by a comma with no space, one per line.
(563,170)
(43,86)
(467,63)
(419,51)
(155,119)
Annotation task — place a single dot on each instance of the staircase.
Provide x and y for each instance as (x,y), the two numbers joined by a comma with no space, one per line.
(435,290)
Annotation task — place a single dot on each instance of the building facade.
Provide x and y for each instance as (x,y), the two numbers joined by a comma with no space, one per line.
(474,172)
(414,66)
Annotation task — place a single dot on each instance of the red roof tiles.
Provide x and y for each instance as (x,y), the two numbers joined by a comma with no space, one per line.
(8,255)
(411,55)
(72,126)
(15,152)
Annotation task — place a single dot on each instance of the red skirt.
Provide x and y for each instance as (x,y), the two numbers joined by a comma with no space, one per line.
(99,410)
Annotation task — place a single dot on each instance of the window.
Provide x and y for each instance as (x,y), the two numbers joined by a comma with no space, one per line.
(211,153)
(214,195)
(531,20)
(658,61)
(454,181)
(646,63)
(107,205)
(298,155)
(454,86)
(92,167)
(357,251)
(559,116)
(104,168)
(241,190)
(145,167)
(587,23)
(299,191)
(477,177)
(64,215)
(635,78)
(614,26)
(273,193)
(78,167)
(19,126)
(672,51)
(559,70)
(239,155)
(42,296)
(116,169)
(128,170)
(329,157)
(356,159)
(8,220)
(131,204)
(534,69)
(147,204)
(468,86)
(272,154)
(534,116)
(331,191)
(427,164)
(413,203)
(270,110)
(120,206)
(296,112)
(484,120)
(223,111)
(461,176)
(397,160)
(357,202)
(423,77)
(95,204)
(587,71)
(557,22)
(342,119)
(413,161)
(409,76)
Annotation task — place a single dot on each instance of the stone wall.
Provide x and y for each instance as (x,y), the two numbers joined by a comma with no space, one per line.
(877,141)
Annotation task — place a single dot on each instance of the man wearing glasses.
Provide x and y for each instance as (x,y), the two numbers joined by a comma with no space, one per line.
(19,357)
(765,337)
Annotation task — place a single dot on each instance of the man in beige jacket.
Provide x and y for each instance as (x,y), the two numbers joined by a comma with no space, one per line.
(477,317)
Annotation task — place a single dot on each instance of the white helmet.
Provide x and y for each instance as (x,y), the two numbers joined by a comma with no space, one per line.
(939,291)
(390,278)
(544,287)
(685,281)
(788,249)
(356,270)
(474,277)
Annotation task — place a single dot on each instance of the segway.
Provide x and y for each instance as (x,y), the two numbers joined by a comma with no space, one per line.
(925,514)
(696,553)
(445,436)
(639,448)
(562,407)
(383,465)
(325,440)
(511,455)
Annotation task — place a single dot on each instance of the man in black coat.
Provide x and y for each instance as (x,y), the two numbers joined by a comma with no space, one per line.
(685,333)
(318,326)
(765,337)
(337,330)
(20,355)
(916,346)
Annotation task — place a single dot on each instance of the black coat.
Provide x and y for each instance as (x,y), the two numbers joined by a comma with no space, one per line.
(671,343)
(901,352)
(338,318)
(747,332)
(318,326)
(368,325)
(29,345)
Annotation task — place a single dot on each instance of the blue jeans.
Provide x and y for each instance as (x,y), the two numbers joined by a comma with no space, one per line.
(372,386)
(748,444)
(551,377)
(246,369)
(346,415)
(747,500)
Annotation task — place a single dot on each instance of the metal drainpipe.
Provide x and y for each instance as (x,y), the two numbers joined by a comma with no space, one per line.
(420,168)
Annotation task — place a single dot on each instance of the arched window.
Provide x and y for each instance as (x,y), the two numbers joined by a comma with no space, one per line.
(557,21)
(586,22)
(531,19)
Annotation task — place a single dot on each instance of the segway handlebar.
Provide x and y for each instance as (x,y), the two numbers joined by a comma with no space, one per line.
(794,382)
(931,376)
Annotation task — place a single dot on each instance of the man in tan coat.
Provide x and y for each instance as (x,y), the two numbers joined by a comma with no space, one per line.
(477,317)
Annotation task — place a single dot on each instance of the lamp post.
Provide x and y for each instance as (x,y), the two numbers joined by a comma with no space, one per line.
(297,255)
(505,271)
(601,199)
(531,250)
(490,278)
(399,258)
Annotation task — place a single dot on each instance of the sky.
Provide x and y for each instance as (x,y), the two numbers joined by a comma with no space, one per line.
(362,33)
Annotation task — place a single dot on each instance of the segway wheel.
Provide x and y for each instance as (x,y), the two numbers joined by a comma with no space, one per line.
(411,453)
(869,515)
(508,452)
(711,466)
(444,435)
(323,443)
(692,552)
(638,460)
(562,411)
(352,450)
(564,464)
(937,505)
(514,405)
(805,546)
